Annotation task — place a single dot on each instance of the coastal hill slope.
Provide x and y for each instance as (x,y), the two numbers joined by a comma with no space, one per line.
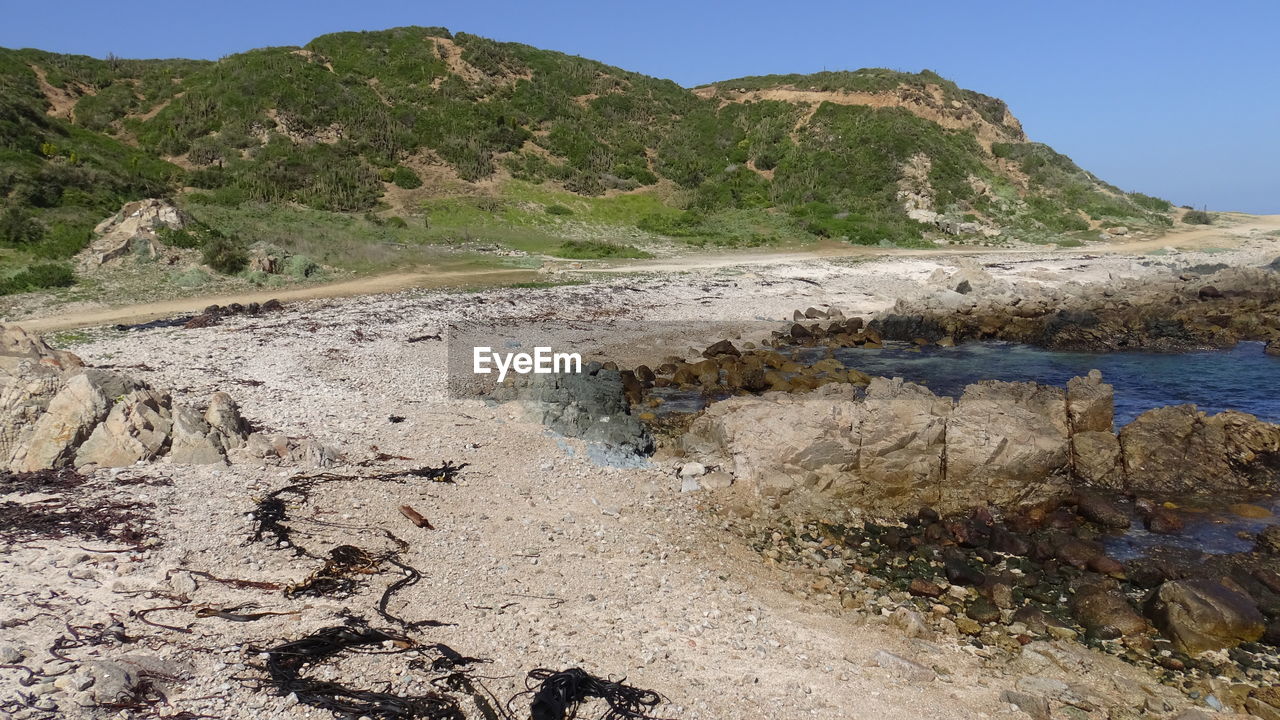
(384,122)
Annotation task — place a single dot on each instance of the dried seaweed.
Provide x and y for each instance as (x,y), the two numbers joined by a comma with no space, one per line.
(557,695)
(66,513)
(337,577)
(106,521)
(285,664)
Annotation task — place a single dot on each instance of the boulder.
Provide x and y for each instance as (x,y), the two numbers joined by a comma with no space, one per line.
(1006,441)
(137,428)
(1090,404)
(27,386)
(223,418)
(1273,347)
(894,448)
(1178,449)
(194,442)
(135,230)
(67,421)
(1096,459)
(1107,614)
(1204,614)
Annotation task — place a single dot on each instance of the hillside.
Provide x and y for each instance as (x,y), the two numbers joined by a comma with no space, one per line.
(461,132)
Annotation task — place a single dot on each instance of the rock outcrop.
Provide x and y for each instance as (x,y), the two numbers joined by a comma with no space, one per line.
(55,412)
(1205,614)
(1179,449)
(1174,311)
(135,230)
(592,405)
(895,448)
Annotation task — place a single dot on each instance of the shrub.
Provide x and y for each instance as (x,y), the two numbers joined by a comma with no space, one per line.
(227,255)
(558,210)
(300,267)
(192,278)
(38,277)
(405,178)
(1197,217)
(178,238)
(17,227)
(395,221)
(592,249)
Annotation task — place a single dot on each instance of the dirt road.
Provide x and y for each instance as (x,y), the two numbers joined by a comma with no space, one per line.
(1226,235)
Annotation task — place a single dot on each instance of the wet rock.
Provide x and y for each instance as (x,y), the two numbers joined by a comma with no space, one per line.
(1163,521)
(924,588)
(1178,449)
(959,571)
(1101,510)
(1107,614)
(1204,614)
(1268,542)
(1273,347)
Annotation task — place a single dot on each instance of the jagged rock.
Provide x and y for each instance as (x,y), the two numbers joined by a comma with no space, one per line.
(1006,443)
(1101,510)
(16,342)
(133,230)
(1268,542)
(1205,614)
(194,442)
(137,428)
(1097,460)
(1273,347)
(223,417)
(68,420)
(1178,449)
(26,388)
(883,453)
(1090,404)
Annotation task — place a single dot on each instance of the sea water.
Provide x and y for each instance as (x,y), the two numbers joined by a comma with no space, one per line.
(1243,378)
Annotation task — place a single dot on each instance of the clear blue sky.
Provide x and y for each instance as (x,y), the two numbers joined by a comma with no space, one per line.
(1178,99)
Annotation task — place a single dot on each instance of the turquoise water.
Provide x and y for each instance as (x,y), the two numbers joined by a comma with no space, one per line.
(1243,378)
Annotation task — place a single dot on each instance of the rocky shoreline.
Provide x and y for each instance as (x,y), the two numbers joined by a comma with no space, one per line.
(544,552)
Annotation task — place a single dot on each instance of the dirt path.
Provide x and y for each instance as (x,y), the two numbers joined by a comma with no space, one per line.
(373,285)
(1199,238)
(1191,239)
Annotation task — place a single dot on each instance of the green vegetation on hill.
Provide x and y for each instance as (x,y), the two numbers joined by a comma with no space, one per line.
(428,125)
